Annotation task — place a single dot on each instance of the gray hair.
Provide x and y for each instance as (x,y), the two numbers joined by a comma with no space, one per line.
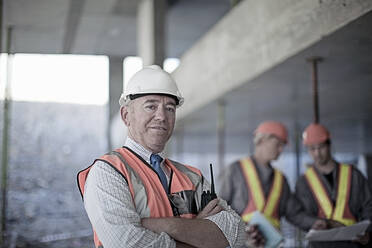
(260,136)
(124,101)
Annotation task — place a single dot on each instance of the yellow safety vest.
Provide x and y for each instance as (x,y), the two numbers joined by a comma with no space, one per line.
(268,207)
(326,208)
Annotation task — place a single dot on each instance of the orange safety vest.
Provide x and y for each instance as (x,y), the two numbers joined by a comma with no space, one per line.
(326,208)
(270,206)
(144,183)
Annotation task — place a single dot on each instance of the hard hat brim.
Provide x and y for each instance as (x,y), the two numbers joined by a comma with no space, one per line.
(135,96)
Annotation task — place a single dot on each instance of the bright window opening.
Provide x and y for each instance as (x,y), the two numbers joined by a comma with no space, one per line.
(76,79)
(133,64)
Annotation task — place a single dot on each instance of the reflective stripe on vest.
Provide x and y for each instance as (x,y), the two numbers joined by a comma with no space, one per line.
(341,212)
(149,197)
(269,207)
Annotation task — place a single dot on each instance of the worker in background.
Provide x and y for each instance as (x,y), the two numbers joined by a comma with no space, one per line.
(331,194)
(131,195)
(252,184)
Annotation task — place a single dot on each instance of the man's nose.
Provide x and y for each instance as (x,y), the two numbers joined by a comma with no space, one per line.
(280,148)
(316,152)
(160,113)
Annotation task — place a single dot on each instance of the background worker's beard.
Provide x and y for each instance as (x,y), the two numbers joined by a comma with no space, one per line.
(323,161)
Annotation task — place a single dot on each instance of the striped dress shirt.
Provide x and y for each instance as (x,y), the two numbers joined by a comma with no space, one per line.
(111,211)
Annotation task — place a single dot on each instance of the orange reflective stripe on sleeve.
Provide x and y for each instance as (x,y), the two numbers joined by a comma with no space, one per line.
(343,192)
(316,186)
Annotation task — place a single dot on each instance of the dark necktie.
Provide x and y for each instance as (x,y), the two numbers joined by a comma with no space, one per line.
(155,161)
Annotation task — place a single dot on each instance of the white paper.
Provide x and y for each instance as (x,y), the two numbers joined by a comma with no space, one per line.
(339,233)
(272,236)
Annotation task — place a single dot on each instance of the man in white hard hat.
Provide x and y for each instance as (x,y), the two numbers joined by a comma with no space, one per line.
(133,194)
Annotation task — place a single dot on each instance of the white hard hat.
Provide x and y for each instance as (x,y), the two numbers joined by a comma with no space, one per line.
(151,80)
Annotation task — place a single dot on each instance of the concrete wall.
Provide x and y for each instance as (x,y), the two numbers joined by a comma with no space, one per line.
(49,144)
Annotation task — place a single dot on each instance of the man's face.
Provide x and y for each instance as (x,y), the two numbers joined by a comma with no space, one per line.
(320,153)
(272,146)
(150,120)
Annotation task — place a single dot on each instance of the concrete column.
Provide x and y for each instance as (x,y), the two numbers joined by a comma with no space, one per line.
(1,25)
(180,145)
(151,31)
(115,90)
(221,133)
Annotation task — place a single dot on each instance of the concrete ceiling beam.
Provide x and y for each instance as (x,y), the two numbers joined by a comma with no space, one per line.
(252,38)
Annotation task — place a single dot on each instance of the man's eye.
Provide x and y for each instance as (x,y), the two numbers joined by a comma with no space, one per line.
(171,109)
(150,107)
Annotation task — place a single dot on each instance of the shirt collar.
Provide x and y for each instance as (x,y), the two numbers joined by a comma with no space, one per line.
(140,150)
(263,171)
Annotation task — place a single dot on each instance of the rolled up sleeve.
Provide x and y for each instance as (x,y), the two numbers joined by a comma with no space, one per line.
(231,225)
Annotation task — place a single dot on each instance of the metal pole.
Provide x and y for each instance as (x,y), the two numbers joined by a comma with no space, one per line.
(180,141)
(5,145)
(314,61)
(297,143)
(221,134)
(298,149)
(1,25)
(2,179)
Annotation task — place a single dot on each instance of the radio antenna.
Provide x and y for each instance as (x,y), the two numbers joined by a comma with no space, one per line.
(212,180)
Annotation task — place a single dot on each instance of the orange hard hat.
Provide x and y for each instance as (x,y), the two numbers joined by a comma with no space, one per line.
(274,128)
(315,134)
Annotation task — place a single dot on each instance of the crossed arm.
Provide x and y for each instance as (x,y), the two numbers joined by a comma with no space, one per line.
(115,219)
(197,232)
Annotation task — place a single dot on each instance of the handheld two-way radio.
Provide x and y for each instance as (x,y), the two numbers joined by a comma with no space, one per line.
(208,196)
